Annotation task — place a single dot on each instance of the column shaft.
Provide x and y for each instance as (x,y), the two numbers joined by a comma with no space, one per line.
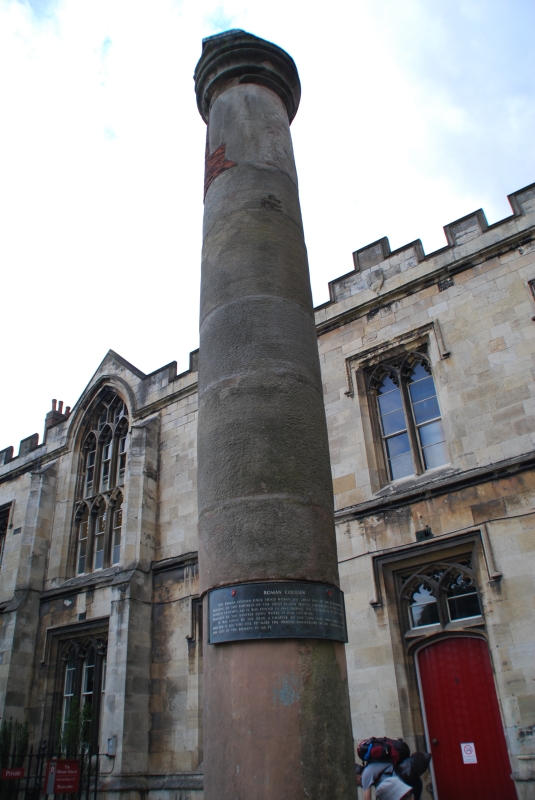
(276,712)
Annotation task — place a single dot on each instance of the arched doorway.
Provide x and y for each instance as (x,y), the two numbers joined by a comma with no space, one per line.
(463,722)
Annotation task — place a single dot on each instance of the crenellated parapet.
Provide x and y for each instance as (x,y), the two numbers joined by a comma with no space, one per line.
(376,264)
(149,393)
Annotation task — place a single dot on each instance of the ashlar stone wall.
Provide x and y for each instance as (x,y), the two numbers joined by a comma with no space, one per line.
(470,307)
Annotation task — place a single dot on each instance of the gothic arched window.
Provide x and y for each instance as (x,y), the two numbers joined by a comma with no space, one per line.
(105,445)
(99,533)
(98,517)
(440,594)
(409,417)
(83,686)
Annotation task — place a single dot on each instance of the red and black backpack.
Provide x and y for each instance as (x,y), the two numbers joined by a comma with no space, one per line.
(383,749)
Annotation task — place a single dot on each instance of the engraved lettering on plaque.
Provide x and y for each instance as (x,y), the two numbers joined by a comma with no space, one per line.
(276,611)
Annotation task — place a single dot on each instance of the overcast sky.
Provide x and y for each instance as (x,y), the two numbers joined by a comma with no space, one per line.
(413,114)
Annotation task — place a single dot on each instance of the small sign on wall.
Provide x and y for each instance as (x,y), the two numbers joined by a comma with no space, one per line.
(13,774)
(62,776)
(468,750)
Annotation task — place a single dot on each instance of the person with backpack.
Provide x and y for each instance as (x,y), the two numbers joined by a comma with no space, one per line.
(390,767)
(387,784)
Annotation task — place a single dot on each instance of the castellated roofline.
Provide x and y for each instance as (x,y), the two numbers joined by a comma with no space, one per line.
(142,392)
(373,280)
(377,257)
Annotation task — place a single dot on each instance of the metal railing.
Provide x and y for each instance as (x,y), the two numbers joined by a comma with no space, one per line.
(25,777)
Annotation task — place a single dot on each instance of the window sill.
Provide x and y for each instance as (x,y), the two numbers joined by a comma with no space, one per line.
(415,481)
(424,630)
(458,625)
(83,581)
(467,622)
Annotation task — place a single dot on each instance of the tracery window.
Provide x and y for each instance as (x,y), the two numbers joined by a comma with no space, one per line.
(440,594)
(99,527)
(410,423)
(83,681)
(98,515)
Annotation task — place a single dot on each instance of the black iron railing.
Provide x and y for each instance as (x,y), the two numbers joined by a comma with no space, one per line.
(37,775)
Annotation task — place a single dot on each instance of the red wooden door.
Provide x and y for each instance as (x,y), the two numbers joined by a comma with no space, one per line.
(461,707)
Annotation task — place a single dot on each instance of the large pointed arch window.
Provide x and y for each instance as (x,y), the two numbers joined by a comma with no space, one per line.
(409,418)
(103,468)
(105,446)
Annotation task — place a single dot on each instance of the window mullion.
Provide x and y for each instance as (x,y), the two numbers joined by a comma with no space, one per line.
(97,698)
(91,539)
(114,463)
(108,535)
(442,603)
(98,468)
(78,674)
(411,428)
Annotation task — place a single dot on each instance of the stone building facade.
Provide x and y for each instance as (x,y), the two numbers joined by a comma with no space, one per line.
(427,365)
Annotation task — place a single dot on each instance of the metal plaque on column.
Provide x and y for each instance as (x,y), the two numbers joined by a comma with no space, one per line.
(276,610)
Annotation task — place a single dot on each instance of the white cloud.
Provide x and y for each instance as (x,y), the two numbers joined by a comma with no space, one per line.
(411,116)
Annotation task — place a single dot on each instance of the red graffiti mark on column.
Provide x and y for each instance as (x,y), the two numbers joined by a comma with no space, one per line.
(214,164)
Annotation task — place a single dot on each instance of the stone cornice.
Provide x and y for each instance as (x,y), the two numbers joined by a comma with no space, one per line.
(426,487)
(175,562)
(146,783)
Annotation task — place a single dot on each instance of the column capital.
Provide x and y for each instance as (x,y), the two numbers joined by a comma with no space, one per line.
(235,57)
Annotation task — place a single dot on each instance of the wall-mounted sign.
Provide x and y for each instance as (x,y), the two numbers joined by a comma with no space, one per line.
(276,611)
(13,774)
(469,753)
(62,776)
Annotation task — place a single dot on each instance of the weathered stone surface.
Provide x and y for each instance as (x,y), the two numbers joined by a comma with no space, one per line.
(264,483)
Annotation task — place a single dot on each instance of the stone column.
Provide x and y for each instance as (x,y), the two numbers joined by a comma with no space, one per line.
(276,711)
